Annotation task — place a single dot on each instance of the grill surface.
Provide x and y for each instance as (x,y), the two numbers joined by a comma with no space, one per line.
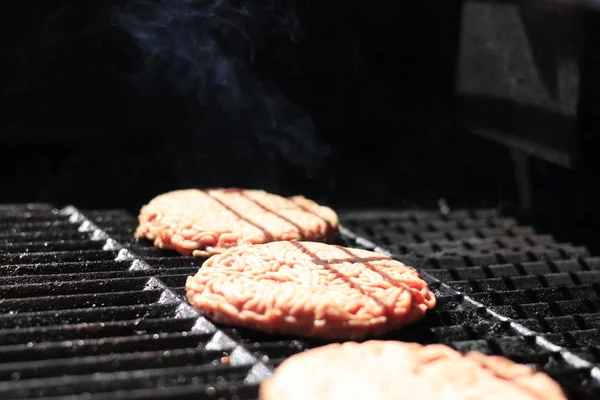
(88,312)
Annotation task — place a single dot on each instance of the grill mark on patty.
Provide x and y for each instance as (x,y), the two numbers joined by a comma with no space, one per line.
(512,380)
(289,221)
(267,234)
(354,285)
(386,277)
(330,227)
(493,369)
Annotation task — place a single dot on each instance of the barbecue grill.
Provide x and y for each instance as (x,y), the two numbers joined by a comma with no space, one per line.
(106,105)
(88,312)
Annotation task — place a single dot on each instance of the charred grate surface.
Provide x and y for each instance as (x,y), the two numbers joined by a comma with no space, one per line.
(83,316)
(546,294)
(89,312)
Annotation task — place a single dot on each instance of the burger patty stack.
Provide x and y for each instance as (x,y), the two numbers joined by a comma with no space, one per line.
(274,267)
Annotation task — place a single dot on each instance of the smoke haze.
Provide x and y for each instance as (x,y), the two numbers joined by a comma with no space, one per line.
(199,54)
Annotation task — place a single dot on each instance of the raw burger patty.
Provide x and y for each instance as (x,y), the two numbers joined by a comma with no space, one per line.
(396,370)
(309,289)
(205,222)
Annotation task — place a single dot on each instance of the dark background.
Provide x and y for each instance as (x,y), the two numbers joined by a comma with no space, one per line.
(106,104)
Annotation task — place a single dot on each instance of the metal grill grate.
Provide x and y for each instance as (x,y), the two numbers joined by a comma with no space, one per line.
(88,312)
(544,296)
(81,316)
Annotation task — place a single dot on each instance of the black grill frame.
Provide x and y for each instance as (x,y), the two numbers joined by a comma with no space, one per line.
(132,330)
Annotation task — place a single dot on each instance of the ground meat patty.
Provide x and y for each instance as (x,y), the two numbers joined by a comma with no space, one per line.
(205,222)
(309,289)
(396,370)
